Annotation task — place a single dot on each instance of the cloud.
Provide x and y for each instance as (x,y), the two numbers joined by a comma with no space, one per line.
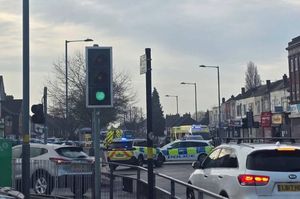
(182,35)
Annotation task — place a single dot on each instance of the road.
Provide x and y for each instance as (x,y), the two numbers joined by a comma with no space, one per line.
(178,171)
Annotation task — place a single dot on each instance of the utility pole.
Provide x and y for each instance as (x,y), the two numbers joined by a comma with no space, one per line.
(25,106)
(151,194)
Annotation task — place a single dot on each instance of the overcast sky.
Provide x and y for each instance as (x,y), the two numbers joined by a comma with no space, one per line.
(182,34)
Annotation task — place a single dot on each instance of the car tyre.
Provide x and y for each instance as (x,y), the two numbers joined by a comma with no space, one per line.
(140,161)
(201,157)
(190,193)
(42,182)
(224,194)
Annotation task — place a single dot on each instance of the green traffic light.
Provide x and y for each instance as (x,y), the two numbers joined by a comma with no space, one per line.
(100,95)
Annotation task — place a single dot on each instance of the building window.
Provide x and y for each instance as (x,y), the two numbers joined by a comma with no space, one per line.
(244,108)
(296,64)
(292,65)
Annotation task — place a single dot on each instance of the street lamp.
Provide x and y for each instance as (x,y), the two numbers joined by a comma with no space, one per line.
(66,65)
(219,102)
(176,100)
(195,97)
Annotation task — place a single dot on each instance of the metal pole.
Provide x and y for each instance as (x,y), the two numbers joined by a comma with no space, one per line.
(45,114)
(96,136)
(66,76)
(219,101)
(151,194)
(196,102)
(177,103)
(25,107)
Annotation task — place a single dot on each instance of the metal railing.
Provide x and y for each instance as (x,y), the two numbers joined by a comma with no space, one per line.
(60,183)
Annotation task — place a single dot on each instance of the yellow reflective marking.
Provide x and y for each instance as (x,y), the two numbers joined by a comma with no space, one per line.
(208,149)
(149,152)
(191,151)
(173,152)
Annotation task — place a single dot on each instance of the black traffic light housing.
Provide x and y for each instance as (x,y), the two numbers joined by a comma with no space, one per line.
(38,114)
(99,92)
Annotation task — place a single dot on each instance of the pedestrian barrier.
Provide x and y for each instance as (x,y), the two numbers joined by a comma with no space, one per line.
(50,182)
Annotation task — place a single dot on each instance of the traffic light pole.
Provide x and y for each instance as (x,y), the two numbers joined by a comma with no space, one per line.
(25,106)
(96,145)
(151,194)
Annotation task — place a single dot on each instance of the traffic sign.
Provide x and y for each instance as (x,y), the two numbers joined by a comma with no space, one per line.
(143,68)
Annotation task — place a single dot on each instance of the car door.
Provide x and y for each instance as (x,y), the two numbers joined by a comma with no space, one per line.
(224,175)
(173,153)
(208,165)
(182,150)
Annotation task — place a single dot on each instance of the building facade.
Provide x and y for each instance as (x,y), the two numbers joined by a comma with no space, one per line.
(294,73)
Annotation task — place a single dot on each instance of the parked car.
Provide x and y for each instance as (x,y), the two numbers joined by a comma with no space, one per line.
(10,193)
(249,171)
(55,165)
(187,150)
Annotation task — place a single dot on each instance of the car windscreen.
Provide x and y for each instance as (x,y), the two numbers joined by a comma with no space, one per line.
(274,160)
(205,136)
(121,145)
(71,152)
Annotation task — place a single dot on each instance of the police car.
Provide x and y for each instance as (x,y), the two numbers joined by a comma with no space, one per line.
(131,151)
(186,150)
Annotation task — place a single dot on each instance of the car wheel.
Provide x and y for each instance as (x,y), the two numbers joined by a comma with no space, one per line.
(42,183)
(201,157)
(79,187)
(190,193)
(160,160)
(140,161)
(224,194)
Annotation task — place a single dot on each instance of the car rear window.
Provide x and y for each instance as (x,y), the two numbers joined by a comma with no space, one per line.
(121,145)
(274,160)
(71,152)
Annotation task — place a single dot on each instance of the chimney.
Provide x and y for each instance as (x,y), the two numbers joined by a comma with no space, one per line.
(285,80)
(268,85)
(243,90)
(223,100)
(232,96)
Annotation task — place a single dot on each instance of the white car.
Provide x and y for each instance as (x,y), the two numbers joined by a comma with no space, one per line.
(250,171)
(54,165)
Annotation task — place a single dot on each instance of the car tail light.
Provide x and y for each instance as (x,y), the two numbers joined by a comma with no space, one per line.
(253,180)
(60,160)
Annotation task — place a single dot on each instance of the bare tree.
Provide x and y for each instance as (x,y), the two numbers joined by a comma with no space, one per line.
(80,116)
(252,77)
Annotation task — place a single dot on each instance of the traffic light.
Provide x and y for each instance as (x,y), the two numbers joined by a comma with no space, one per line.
(99,91)
(38,114)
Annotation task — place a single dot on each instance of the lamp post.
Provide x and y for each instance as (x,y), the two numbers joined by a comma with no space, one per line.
(195,97)
(219,102)
(66,65)
(176,100)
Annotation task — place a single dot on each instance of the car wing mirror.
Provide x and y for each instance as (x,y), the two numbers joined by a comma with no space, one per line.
(196,165)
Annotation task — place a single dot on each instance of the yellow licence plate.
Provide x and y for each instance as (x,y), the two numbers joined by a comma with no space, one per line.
(288,187)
